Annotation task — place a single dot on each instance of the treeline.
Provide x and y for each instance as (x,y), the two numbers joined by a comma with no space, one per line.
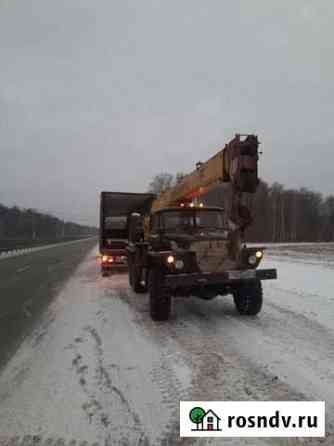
(279,214)
(32,224)
(286,215)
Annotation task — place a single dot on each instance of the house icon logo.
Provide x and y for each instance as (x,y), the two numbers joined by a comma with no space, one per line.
(204,420)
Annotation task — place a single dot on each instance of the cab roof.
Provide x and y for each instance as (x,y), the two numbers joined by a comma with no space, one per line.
(125,203)
(189,209)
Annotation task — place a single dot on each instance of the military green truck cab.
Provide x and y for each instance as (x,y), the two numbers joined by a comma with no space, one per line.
(190,251)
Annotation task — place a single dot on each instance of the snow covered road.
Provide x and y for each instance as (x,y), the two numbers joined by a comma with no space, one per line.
(97,369)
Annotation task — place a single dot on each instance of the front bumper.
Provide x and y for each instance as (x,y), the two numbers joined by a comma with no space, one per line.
(189,280)
(113,260)
(114,265)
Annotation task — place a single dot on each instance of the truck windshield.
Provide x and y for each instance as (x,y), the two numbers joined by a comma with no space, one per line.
(198,219)
(115,222)
(209,219)
(115,228)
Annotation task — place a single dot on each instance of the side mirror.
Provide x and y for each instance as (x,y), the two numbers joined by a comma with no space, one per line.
(136,228)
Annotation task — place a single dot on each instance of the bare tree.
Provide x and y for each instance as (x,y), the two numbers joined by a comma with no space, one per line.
(328,219)
(160,183)
(179,177)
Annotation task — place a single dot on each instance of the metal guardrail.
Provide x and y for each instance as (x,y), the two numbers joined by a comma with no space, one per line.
(9,245)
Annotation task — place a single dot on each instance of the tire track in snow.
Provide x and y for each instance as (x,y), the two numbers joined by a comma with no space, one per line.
(166,372)
(96,407)
(38,440)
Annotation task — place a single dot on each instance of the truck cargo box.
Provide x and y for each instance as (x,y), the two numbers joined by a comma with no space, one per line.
(115,207)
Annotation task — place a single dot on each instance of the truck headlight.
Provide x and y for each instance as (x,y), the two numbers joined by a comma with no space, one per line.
(179,264)
(259,254)
(252,260)
(170,259)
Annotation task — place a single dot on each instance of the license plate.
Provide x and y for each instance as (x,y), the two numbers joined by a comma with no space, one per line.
(237,275)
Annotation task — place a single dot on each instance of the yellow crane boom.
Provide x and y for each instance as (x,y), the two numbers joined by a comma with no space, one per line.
(194,184)
(235,163)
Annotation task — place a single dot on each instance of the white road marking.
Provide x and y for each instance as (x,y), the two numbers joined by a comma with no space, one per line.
(21,270)
(16,253)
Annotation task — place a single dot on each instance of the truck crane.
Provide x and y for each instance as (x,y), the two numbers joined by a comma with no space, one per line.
(180,247)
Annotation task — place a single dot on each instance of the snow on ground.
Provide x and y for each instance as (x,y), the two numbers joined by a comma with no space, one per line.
(98,369)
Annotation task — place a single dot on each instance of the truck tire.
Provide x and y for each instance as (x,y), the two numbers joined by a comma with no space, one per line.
(105,272)
(160,297)
(248,298)
(130,273)
(135,278)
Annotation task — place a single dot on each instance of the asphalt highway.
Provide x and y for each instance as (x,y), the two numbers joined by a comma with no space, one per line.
(28,283)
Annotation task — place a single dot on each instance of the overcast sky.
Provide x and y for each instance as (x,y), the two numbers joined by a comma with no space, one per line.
(102,95)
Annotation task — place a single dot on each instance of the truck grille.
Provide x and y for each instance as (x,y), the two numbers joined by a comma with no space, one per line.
(212,255)
(115,244)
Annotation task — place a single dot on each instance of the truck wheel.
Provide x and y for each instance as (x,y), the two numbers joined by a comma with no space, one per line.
(130,274)
(160,297)
(135,279)
(104,272)
(248,298)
